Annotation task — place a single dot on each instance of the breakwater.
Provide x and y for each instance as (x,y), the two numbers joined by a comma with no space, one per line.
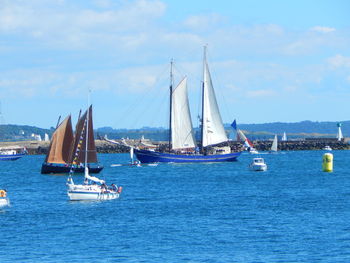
(35,147)
(302,145)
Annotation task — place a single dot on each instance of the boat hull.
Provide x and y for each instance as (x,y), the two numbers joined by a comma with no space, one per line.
(11,157)
(146,156)
(258,168)
(90,196)
(57,169)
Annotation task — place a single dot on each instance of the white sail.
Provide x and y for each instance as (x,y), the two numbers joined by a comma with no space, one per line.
(241,135)
(181,123)
(274,144)
(213,129)
(131,154)
(284,137)
(340,134)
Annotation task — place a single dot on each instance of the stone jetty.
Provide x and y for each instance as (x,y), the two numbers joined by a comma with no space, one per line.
(37,147)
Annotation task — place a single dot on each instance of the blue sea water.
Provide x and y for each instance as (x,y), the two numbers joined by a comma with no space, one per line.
(219,212)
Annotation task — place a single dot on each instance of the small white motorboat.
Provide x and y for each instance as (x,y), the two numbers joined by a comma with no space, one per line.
(4,201)
(258,164)
(327,148)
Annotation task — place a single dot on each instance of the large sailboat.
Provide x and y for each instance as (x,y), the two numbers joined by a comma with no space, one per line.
(93,188)
(60,157)
(182,144)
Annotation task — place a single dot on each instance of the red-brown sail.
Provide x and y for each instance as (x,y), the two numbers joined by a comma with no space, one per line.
(61,143)
(78,153)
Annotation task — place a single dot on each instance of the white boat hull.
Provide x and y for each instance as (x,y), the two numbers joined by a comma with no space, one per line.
(90,193)
(91,196)
(258,167)
(4,202)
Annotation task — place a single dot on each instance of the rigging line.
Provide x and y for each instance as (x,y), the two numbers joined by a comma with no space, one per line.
(140,99)
(153,103)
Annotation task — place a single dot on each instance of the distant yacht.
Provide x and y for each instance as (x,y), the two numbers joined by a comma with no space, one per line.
(258,164)
(274,145)
(247,143)
(284,137)
(340,134)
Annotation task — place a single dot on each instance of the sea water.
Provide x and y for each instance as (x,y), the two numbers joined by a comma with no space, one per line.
(218,212)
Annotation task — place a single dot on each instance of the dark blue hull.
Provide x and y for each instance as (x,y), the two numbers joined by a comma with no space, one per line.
(59,169)
(11,157)
(145,156)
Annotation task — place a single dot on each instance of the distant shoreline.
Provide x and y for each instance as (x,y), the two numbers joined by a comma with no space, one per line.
(41,147)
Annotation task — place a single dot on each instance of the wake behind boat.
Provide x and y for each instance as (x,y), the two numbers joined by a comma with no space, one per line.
(182,145)
(4,200)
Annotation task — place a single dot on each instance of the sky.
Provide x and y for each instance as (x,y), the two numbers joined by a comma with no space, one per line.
(270,61)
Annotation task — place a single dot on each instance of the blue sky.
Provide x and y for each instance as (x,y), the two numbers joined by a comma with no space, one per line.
(270,60)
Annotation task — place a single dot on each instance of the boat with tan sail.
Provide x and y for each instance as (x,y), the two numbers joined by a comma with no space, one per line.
(62,154)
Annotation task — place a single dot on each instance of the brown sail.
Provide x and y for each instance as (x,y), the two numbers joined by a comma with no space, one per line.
(61,143)
(78,153)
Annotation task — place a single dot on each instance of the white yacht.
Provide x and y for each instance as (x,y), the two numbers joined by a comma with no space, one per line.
(93,188)
(258,164)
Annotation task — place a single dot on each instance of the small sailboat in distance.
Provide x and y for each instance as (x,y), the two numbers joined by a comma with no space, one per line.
(284,137)
(93,188)
(132,161)
(274,144)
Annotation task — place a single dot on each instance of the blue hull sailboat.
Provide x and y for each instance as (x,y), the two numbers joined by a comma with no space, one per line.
(182,145)
(146,156)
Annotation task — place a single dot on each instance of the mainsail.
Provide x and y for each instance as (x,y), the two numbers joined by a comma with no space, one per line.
(61,143)
(284,137)
(274,144)
(78,153)
(181,123)
(213,130)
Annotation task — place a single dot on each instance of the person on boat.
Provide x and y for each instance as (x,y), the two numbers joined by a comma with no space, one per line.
(104,187)
(113,187)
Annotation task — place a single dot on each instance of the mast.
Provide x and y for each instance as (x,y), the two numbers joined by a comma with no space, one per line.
(58,121)
(202,121)
(87,136)
(171,102)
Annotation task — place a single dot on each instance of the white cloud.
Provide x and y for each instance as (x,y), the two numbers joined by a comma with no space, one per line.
(323,29)
(261,93)
(70,25)
(339,61)
(203,22)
